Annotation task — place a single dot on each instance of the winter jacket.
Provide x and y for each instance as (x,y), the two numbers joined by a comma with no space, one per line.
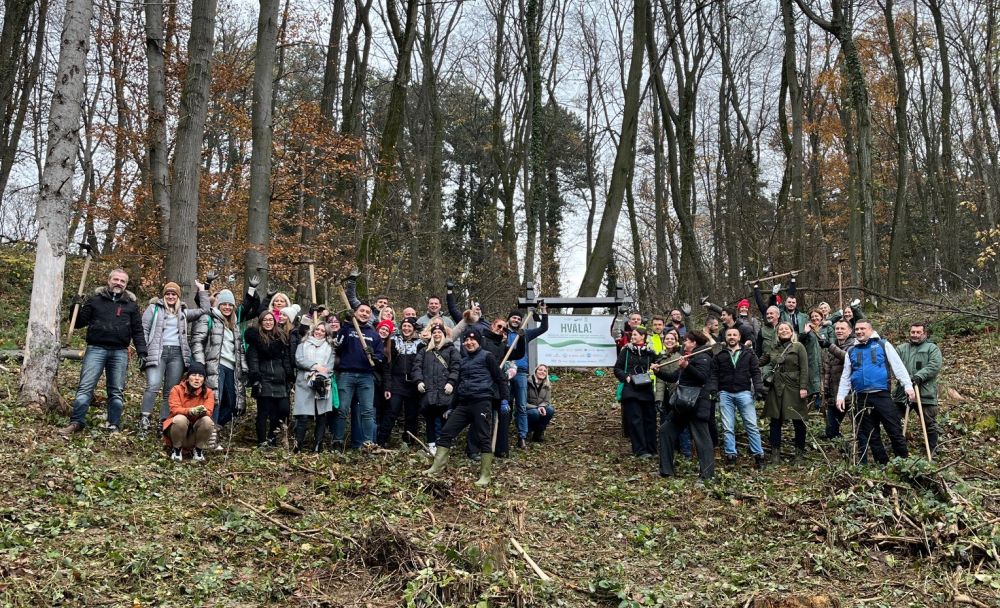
(867,368)
(529,335)
(154,318)
(539,393)
(743,376)
(745,329)
(310,353)
(833,364)
(634,360)
(814,353)
(698,373)
(206,347)
(351,355)
(498,345)
(435,368)
(182,399)
(270,365)
(112,321)
(397,373)
(478,374)
(923,361)
(425,320)
(790,364)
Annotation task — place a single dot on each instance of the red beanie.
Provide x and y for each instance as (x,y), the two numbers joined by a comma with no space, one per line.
(744,303)
(386,323)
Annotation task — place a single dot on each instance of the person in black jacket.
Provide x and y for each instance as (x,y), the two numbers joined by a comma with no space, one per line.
(400,383)
(637,399)
(495,340)
(271,375)
(693,371)
(736,375)
(113,321)
(479,373)
(435,371)
(356,377)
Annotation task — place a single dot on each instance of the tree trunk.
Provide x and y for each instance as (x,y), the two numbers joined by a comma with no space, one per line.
(899,220)
(794,153)
(182,253)
(157,130)
(41,364)
(261,113)
(948,202)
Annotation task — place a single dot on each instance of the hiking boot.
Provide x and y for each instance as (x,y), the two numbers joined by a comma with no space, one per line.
(176,455)
(198,456)
(729,460)
(486,471)
(758,462)
(522,444)
(775,456)
(70,429)
(440,460)
(538,436)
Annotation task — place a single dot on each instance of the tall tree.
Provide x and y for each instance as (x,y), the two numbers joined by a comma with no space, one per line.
(41,361)
(899,217)
(156,142)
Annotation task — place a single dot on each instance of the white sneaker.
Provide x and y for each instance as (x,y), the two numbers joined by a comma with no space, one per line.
(432,448)
(198,456)
(176,455)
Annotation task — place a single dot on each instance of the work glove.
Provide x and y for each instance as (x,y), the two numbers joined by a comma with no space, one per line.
(504,407)
(855,302)
(449,285)
(776,289)
(211,276)
(254,281)
(77,300)
(423,387)
(448,388)
(824,343)
(197,411)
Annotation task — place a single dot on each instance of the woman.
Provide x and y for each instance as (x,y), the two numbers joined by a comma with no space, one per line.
(479,373)
(690,406)
(540,410)
(216,341)
(165,325)
(435,371)
(400,387)
(788,386)
(190,422)
(637,398)
(270,373)
(810,339)
(668,366)
(387,314)
(314,361)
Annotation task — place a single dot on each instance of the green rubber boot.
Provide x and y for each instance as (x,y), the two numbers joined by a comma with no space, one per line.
(440,460)
(485,471)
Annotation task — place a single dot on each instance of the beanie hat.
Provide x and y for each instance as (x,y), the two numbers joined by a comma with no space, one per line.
(291,312)
(474,334)
(744,303)
(386,323)
(438,327)
(225,297)
(516,312)
(198,368)
(171,286)
(411,320)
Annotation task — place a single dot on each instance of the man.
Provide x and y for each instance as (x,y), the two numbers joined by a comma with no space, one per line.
(677,322)
(356,376)
(736,372)
(114,321)
(634,320)
(520,380)
(711,330)
(922,359)
(434,310)
(834,352)
(730,320)
(657,329)
(866,373)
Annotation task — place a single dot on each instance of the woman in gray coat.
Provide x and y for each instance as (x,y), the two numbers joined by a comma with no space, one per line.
(165,324)
(313,363)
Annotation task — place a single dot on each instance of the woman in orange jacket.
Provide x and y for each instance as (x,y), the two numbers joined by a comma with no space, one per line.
(189,424)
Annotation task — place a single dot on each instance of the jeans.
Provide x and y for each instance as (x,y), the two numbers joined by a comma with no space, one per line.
(113,362)
(225,396)
(729,403)
(362,386)
(537,422)
(519,393)
(166,373)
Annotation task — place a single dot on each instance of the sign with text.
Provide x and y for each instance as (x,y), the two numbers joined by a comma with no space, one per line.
(576,341)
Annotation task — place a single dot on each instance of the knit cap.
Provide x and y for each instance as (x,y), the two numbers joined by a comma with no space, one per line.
(291,312)
(744,303)
(171,286)
(472,333)
(198,368)
(225,297)
(386,323)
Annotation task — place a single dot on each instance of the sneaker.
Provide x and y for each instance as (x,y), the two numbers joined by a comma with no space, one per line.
(176,455)
(111,428)
(198,456)
(71,429)
(432,448)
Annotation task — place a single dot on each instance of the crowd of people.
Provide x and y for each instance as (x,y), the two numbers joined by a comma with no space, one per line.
(349,380)
(795,362)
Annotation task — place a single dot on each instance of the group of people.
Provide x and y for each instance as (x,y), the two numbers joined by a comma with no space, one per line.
(792,361)
(363,372)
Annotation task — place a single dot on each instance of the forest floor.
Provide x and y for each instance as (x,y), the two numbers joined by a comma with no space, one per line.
(110,520)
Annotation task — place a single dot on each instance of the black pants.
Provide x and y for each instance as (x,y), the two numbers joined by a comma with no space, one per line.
(669,432)
(272,412)
(877,409)
(476,414)
(409,406)
(302,425)
(502,449)
(799,427)
(834,417)
(713,425)
(641,424)
(930,421)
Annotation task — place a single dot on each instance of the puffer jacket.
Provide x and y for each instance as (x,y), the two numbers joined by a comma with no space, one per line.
(269,365)
(833,364)
(539,392)
(155,317)
(479,374)
(206,347)
(112,321)
(430,370)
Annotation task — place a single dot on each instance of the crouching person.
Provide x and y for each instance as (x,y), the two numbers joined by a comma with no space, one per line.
(479,372)
(189,425)
(540,410)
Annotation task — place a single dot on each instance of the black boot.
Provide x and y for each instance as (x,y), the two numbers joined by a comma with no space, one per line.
(538,436)
(758,462)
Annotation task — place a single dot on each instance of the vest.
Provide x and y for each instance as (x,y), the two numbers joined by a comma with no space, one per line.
(869,367)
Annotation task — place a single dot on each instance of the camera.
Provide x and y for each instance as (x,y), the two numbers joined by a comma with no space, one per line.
(320,384)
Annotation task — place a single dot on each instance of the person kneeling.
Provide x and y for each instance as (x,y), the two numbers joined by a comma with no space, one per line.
(189,424)
(540,410)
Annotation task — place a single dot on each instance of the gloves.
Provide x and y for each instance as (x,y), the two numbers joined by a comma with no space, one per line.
(855,302)
(448,388)
(270,295)
(824,343)
(211,276)
(355,273)
(423,388)
(449,285)
(446,414)
(77,300)
(504,407)
(761,394)
(776,289)
(254,281)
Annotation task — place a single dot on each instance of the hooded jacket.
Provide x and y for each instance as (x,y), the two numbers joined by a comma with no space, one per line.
(154,318)
(351,355)
(112,321)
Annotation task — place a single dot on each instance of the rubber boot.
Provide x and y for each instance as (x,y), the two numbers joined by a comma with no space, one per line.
(485,471)
(440,460)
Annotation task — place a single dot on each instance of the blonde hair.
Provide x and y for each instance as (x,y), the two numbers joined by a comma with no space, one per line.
(428,334)
(795,337)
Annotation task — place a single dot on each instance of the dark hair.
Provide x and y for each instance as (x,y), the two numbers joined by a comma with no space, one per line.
(657,318)
(842,320)
(363,303)
(733,328)
(277,333)
(381,297)
(922,324)
(729,311)
(429,298)
(641,330)
(711,318)
(696,336)
(200,392)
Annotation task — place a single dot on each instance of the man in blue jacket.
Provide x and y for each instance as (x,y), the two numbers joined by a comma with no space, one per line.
(356,375)
(519,383)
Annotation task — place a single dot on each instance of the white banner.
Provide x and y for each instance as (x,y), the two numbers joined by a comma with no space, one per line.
(576,341)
